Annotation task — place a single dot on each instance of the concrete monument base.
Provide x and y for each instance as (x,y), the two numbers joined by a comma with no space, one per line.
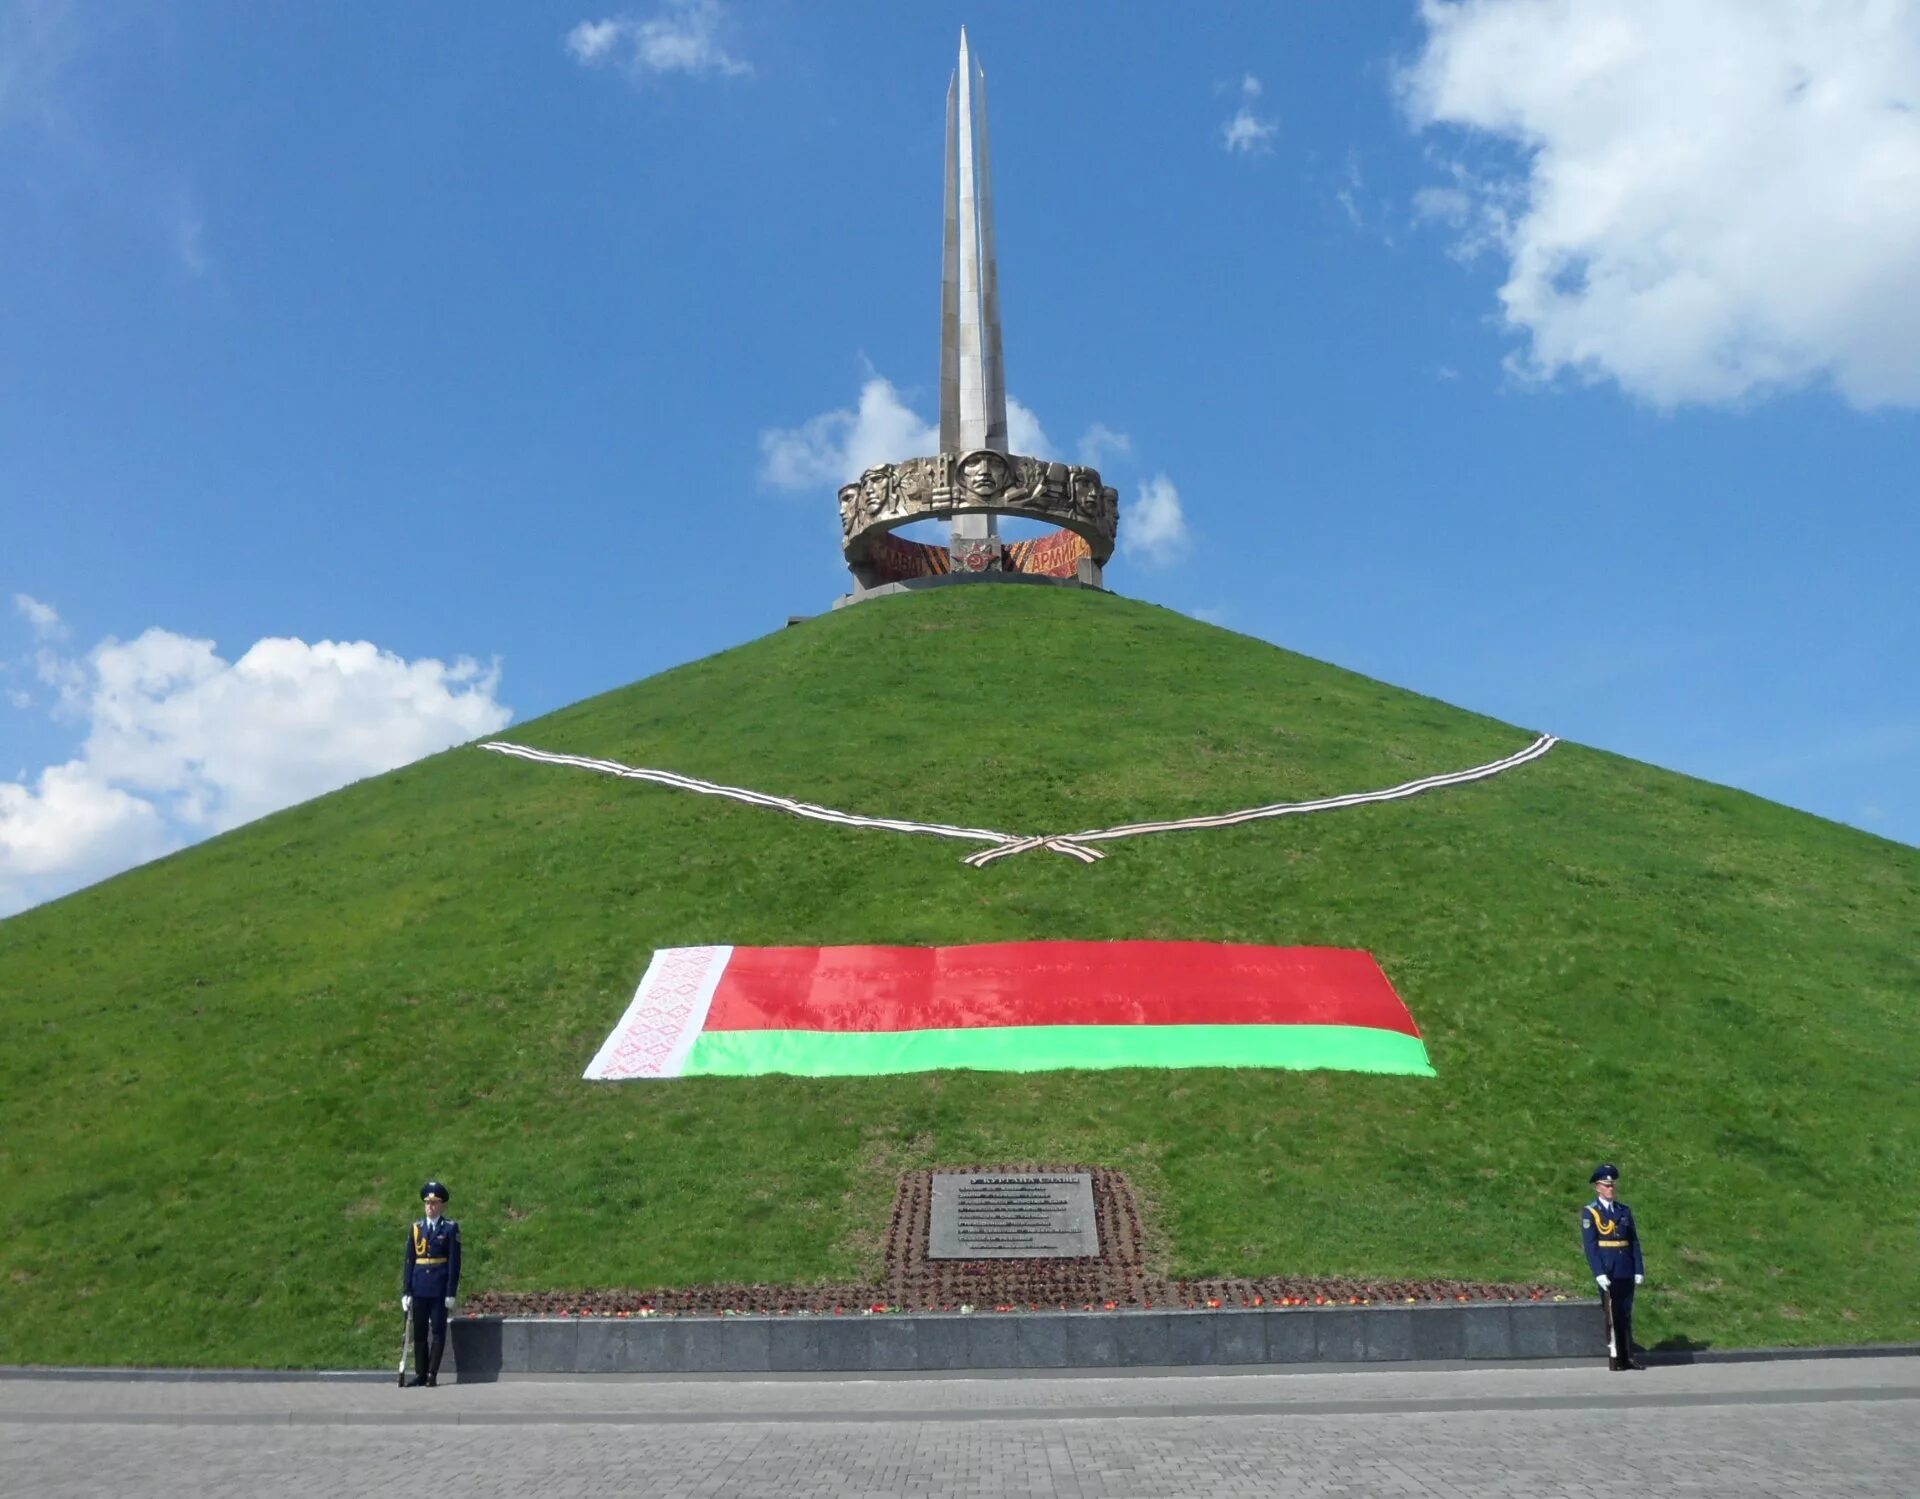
(861,594)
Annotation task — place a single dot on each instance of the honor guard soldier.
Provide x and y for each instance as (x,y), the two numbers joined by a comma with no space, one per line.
(1612,1241)
(430,1280)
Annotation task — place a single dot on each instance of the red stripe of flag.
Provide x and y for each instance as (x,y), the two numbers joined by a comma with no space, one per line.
(1052,983)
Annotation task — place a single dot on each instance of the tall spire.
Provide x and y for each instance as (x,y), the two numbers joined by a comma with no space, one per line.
(973,383)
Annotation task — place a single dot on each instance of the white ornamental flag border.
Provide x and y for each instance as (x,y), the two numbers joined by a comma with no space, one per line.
(666,1016)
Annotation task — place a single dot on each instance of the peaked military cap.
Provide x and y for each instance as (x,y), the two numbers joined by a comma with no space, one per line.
(435,1189)
(1605,1172)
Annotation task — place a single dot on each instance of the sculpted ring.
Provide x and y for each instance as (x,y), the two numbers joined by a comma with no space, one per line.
(983,482)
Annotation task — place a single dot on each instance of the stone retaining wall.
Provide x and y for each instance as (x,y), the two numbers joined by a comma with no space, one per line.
(485,1348)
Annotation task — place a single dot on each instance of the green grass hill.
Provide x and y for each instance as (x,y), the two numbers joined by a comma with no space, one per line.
(225,1073)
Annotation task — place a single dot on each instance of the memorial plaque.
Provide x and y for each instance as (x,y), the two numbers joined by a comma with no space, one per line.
(1012,1216)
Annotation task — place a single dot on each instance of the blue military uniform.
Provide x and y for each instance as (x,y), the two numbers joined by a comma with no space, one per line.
(430,1274)
(1612,1242)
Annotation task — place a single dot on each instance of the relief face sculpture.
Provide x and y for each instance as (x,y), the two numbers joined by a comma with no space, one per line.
(876,485)
(1053,487)
(915,489)
(1086,492)
(983,474)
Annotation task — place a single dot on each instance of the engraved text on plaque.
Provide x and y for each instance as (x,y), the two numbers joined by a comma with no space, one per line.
(1012,1216)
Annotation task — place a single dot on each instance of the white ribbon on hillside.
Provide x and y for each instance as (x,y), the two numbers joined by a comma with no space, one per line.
(1073,845)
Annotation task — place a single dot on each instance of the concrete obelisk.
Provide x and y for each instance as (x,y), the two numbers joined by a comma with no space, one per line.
(974,478)
(973,382)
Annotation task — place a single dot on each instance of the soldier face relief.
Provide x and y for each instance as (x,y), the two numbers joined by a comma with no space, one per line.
(1086,492)
(873,490)
(983,475)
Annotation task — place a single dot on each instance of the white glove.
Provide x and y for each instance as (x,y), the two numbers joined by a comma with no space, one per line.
(1602,1281)
(449,1303)
(1636,1280)
(406,1303)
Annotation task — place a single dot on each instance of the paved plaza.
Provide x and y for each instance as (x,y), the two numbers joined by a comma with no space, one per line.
(1756,1430)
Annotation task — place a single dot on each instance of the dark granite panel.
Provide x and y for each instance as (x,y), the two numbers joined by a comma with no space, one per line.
(1292,1336)
(894,1342)
(1489,1330)
(718,1345)
(516,1338)
(993,1342)
(1438,1332)
(939,1341)
(1093,1340)
(1340,1337)
(650,1347)
(600,1347)
(1579,1328)
(1389,1332)
(553,1346)
(1142,1339)
(817,1344)
(473,1349)
(1239,1337)
(1190,1338)
(1537,1326)
(1041,1341)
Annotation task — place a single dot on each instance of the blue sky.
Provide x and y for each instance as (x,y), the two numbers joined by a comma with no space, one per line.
(373,374)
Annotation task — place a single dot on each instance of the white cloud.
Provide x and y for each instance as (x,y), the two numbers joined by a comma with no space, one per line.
(1247,132)
(1452,206)
(38,47)
(68,829)
(43,619)
(181,743)
(1024,433)
(827,450)
(684,37)
(190,239)
(1153,528)
(593,41)
(1350,194)
(1100,442)
(1712,200)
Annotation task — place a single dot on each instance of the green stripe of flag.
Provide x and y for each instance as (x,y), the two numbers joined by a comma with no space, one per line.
(1045,1048)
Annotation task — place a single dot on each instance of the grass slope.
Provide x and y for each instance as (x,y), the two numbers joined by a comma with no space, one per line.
(225,1073)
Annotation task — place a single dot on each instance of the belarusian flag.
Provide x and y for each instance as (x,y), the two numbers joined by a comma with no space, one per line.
(1009,1007)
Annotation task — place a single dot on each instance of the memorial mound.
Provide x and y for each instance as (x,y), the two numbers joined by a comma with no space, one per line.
(226,1073)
